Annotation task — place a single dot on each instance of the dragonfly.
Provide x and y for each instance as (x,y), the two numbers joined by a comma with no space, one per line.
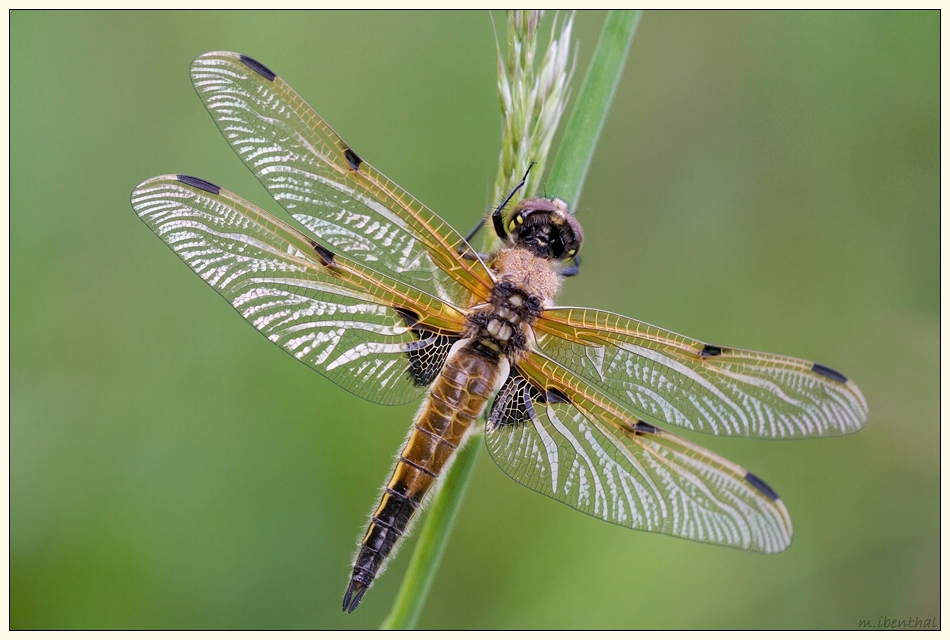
(389,302)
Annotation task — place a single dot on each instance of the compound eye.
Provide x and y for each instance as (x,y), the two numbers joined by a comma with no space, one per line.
(546,228)
(566,245)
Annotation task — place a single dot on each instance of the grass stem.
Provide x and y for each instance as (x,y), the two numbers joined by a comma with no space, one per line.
(566,181)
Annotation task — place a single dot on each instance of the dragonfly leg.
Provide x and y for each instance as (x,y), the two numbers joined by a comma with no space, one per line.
(572,269)
(471,234)
(465,250)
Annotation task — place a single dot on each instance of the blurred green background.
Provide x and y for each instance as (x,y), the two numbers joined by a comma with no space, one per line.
(765,180)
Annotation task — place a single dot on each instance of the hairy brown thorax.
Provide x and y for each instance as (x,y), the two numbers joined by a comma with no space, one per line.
(524,285)
(527,272)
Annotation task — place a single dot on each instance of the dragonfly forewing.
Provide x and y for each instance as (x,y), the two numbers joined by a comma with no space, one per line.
(326,186)
(364,331)
(676,381)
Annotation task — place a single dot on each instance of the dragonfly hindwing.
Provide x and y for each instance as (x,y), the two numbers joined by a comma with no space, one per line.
(515,403)
(427,353)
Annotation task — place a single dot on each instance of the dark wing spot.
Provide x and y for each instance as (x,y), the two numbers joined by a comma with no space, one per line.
(428,353)
(553,396)
(427,356)
(326,256)
(644,427)
(829,373)
(759,484)
(258,68)
(198,183)
(710,350)
(410,317)
(514,404)
(354,160)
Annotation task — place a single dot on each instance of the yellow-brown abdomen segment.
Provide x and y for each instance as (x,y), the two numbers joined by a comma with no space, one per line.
(458,396)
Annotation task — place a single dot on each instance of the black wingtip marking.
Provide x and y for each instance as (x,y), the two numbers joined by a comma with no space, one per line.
(710,350)
(198,183)
(258,68)
(354,160)
(759,484)
(645,428)
(326,256)
(828,372)
(553,396)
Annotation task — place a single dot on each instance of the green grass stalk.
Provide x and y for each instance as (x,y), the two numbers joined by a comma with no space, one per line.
(590,111)
(567,179)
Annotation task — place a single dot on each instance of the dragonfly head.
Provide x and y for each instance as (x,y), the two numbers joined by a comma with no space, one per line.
(546,228)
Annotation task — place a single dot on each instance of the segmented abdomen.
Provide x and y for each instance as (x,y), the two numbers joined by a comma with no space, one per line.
(458,395)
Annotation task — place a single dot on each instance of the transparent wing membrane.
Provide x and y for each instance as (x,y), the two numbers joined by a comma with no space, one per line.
(332,314)
(555,434)
(670,379)
(327,187)
(378,297)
